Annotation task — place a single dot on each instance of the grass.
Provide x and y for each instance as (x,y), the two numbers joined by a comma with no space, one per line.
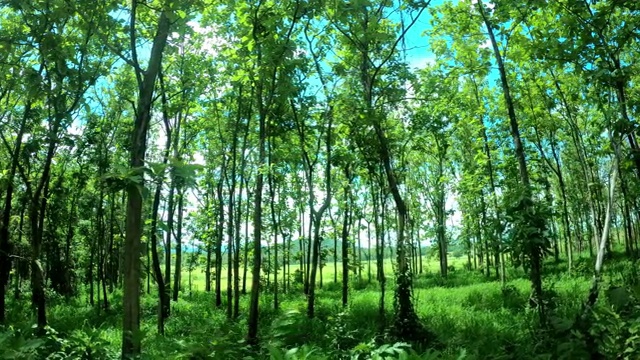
(429,266)
(467,313)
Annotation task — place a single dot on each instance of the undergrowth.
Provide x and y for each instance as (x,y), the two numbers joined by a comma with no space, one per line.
(468,315)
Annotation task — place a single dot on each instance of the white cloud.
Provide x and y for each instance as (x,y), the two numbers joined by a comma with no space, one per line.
(486,44)
(420,62)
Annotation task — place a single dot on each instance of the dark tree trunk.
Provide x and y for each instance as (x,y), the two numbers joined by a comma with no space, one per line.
(345,234)
(171,206)
(246,244)
(177,277)
(218,246)
(6,247)
(252,336)
(274,223)
(37,212)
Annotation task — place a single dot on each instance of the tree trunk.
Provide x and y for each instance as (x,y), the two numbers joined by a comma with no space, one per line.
(535,253)
(171,207)
(37,280)
(378,204)
(177,276)
(6,247)
(315,257)
(316,216)
(218,246)
(243,185)
(274,224)
(246,244)
(163,296)
(345,236)
(146,84)
(252,336)
(37,207)
(335,248)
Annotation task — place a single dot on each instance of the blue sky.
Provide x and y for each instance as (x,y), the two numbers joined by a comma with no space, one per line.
(418,52)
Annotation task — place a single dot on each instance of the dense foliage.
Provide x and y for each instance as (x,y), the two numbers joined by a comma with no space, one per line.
(306,179)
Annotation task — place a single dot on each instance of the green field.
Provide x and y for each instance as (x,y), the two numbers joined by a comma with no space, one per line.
(429,266)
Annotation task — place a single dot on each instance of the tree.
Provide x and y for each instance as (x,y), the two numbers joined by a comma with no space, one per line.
(366,33)
(146,80)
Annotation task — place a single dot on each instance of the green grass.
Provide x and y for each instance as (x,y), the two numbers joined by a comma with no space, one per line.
(467,313)
(429,266)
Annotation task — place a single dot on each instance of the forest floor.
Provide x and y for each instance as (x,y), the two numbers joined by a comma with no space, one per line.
(469,316)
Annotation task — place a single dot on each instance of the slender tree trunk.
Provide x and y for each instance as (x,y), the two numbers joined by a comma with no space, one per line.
(38,206)
(236,257)
(252,337)
(345,236)
(169,233)
(208,206)
(236,263)
(316,216)
(246,245)
(288,262)
(68,266)
(311,297)
(147,254)
(37,280)
(485,225)
(301,253)
(163,298)
(112,233)
(230,246)
(441,232)
(146,84)
(218,246)
(6,247)
(177,277)
(101,249)
(594,290)
(378,219)
(419,243)
(18,283)
(207,272)
(308,251)
(274,224)
(369,251)
(335,248)
(535,253)
(358,235)
(90,277)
